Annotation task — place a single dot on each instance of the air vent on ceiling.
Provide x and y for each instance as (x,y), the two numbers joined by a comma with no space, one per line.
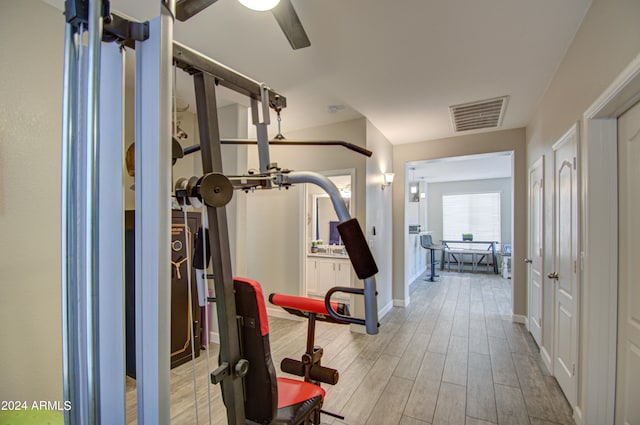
(476,115)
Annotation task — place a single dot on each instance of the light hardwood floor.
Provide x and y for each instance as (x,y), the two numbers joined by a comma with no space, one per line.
(451,357)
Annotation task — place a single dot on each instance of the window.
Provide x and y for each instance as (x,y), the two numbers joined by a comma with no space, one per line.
(475,213)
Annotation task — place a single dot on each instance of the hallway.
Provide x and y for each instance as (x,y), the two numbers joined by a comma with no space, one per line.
(449,358)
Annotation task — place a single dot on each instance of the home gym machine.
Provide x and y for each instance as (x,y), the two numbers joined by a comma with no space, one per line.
(93,328)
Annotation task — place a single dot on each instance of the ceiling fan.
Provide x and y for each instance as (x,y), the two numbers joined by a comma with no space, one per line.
(284,13)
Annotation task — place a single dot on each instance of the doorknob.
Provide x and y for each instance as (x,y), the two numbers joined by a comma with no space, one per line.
(553,275)
(528,260)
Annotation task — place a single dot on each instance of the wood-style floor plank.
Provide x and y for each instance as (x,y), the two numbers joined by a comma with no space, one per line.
(424,394)
(481,402)
(391,404)
(410,362)
(451,405)
(534,389)
(455,367)
(440,337)
(510,406)
(476,421)
(504,371)
(406,420)
(359,407)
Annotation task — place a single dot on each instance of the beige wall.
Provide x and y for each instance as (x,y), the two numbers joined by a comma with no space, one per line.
(31,45)
(499,141)
(607,41)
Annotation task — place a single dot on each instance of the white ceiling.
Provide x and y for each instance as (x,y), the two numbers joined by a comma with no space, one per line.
(400,63)
(461,168)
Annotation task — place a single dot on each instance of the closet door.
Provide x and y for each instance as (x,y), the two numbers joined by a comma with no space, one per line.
(628,365)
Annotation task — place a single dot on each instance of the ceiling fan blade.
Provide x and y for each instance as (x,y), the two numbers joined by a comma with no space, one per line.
(185,9)
(288,20)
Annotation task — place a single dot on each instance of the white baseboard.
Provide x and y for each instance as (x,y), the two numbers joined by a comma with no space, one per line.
(401,303)
(518,318)
(281,314)
(386,309)
(577,416)
(546,359)
(417,275)
(214,337)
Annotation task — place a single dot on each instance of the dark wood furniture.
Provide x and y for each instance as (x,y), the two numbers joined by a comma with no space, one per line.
(181,339)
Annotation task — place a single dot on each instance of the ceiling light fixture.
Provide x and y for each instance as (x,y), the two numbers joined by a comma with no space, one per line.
(259,5)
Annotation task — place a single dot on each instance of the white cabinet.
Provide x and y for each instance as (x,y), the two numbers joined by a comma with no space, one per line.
(343,273)
(326,275)
(323,273)
(312,276)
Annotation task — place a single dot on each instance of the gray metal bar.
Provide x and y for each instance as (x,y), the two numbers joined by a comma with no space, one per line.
(68,214)
(289,142)
(262,135)
(92,300)
(111,238)
(220,250)
(191,60)
(370,299)
(79,238)
(326,184)
(371,305)
(153,221)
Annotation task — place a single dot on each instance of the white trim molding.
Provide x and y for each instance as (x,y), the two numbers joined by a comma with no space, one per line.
(385,310)
(546,359)
(402,303)
(519,318)
(599,261)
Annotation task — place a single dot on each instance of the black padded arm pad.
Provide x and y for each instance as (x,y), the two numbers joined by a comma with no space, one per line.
(199,254)
(358,249)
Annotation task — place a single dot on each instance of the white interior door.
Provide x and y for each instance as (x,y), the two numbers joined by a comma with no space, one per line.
(535,251)
(628,364)
(565,271)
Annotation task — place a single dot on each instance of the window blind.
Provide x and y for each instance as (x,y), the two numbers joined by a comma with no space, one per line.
(476,213)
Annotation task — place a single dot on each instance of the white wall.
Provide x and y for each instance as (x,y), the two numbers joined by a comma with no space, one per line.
(31,45)
(436,190)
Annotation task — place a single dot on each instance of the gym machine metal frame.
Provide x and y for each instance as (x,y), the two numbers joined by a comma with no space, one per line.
(92,229)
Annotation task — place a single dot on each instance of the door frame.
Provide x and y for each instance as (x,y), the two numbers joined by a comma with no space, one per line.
(540,162)
(599,249)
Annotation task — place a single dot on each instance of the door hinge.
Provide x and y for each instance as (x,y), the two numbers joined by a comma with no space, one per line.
(574,370)
(575,267)
(575,163)
(540,321)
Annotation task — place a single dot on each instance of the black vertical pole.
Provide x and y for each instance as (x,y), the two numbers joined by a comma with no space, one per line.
(220,249)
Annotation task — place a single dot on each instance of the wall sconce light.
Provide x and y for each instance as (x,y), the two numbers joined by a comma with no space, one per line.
(387,179)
